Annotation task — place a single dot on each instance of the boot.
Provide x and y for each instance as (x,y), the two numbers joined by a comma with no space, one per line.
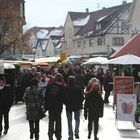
(36,136)
(31,135)
(50,138)
(77,136)
(5,132)
(96,138)
(89,135)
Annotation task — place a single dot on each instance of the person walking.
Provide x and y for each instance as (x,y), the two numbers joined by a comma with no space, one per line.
(6,101)
(73,101)
(54,100)
(108,87)
(93,109)
(33,100)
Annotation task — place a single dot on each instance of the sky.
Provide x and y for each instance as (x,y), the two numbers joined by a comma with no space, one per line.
(49,13)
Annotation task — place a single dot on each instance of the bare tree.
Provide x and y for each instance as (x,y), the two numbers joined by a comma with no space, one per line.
(10,28)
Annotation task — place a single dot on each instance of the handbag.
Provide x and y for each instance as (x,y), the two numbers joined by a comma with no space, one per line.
(41,113)
(40,110)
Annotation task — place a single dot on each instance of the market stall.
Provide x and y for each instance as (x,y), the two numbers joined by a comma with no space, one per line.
(126,91)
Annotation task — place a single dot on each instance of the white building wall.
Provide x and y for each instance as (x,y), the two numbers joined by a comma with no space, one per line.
(135,16)
(50,49)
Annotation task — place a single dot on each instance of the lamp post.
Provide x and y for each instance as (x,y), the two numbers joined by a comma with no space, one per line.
(34,53)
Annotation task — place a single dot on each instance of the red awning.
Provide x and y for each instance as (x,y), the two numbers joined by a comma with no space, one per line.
(131,47)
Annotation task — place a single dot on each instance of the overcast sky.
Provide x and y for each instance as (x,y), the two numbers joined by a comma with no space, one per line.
(48,13)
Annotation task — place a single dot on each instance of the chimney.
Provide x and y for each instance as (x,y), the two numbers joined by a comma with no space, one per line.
(87,10)
(124,2)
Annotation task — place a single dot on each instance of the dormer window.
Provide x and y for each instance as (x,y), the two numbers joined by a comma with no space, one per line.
(98,26)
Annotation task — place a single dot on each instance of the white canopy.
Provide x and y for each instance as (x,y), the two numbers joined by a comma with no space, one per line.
(8,66)
(128,59)
(48,59)
(96,60)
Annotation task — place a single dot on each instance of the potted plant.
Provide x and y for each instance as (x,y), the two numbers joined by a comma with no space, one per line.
(137,114)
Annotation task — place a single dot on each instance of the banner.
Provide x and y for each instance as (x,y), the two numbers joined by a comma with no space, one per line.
(126,107)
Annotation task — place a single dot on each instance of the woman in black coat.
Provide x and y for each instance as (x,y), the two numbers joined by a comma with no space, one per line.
(93,108)
(6,101)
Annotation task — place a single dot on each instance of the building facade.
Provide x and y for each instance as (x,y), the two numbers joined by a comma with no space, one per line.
(97,33)
(45,41)
(134,18)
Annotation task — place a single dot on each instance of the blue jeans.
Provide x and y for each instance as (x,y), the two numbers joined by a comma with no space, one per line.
(77,122)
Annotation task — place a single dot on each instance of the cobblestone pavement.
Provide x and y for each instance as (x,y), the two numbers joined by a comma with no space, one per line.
(108,127)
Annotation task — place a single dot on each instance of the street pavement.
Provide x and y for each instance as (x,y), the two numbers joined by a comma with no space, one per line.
(108,128)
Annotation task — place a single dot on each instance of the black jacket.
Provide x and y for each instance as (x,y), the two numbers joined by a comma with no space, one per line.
(94,105)
(73,97)
(54,97)
(6,97)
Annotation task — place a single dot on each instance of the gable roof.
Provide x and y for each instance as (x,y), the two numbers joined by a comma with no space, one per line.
(106,15)
(46,32)
(43,34)
(131,47)
(57,41)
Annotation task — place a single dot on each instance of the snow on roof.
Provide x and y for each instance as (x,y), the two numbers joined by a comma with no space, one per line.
(56,32)
(89,33)
(55,41)
(42,33)
(81,21)
(44,44)
(58,46)
(100,19)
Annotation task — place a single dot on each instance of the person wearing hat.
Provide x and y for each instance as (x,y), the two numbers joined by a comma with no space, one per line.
(6,101)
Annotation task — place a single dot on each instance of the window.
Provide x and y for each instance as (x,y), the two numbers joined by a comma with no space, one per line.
(84,43)
(98,26)
(91,42)
(100,41)
(78,44)
(124,27)
(117,41)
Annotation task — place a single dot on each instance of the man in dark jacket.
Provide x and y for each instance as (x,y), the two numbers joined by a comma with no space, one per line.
(54,99)
(6,101)
(93,108)
(107,86)
(73,101)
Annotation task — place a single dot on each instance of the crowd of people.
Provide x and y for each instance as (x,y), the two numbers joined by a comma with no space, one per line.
(75,87)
